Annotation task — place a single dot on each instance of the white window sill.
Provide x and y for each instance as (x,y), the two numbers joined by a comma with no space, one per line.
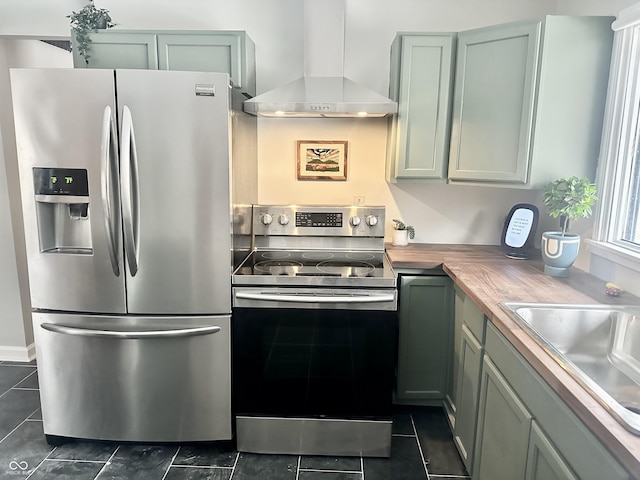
(614,253)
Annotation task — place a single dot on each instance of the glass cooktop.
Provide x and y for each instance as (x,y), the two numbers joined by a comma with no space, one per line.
(286,267)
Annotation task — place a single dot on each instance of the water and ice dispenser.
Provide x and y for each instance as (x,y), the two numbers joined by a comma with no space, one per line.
(62,209)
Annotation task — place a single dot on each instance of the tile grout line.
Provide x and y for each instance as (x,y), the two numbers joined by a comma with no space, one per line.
(362,466)
(19,425)
(233,469)
(15,428)
(298,467)
(424,463)
(320,470)
(14,386)
(108,462)
(171,463)
(43,460)
(211,467)
(460,477)
(70,460)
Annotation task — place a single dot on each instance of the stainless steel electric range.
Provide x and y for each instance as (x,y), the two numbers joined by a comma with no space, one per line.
(314,329)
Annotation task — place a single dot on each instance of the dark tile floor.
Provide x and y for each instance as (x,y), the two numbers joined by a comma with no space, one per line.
(421,449)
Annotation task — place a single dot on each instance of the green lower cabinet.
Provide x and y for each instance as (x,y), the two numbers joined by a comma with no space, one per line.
(468,390)
(504,426)
(424,343)
(543,460)
(526,431)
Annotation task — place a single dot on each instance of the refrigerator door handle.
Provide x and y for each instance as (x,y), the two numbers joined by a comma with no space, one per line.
(130,334)
(110,185)
(130,192)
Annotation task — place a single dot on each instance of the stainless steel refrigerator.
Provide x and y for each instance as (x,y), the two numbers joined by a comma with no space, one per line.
(129,208)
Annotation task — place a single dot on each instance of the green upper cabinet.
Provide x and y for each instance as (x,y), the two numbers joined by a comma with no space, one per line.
(421,82)
(232,52)
(118,49)
(529,101)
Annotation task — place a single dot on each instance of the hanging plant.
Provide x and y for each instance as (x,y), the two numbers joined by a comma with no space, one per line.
(88,20)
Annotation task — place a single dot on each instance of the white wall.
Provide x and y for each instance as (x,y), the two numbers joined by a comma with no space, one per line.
(16,334)
(12,316)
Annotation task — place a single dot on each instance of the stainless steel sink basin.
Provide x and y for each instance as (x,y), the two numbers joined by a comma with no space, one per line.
(599,345)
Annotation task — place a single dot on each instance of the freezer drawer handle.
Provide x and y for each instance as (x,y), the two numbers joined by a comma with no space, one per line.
(87,332)
(301,298)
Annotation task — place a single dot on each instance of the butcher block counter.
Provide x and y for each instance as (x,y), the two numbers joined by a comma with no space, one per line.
(488,278)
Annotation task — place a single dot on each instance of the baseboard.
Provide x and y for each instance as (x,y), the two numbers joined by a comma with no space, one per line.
(17,354)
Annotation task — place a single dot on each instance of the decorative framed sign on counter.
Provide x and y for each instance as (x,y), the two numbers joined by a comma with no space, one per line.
(322,160)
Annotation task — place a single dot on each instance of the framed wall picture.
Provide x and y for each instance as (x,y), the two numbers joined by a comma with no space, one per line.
(322,160)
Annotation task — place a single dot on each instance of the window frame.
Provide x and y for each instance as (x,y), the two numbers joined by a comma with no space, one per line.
(620,141)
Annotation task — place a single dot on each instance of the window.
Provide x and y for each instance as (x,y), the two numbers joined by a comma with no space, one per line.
(617,229)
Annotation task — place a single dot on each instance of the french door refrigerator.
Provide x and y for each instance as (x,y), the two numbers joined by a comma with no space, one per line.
(126,195)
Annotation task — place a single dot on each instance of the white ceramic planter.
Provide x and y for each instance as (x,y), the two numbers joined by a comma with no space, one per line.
(400,238)
(559,252)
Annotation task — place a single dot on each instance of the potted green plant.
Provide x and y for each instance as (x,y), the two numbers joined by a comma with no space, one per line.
(568,199)
(402,233)
(85,21)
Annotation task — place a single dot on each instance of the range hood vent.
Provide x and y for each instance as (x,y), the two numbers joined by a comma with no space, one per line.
(323,91)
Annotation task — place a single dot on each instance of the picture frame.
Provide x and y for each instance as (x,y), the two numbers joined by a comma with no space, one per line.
(322,160)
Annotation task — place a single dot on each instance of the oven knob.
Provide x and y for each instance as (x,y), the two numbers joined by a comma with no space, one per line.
(283,219)
(266,219)
(371,220)
(354,221)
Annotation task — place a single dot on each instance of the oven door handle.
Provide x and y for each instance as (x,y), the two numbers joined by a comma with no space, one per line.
(305,298)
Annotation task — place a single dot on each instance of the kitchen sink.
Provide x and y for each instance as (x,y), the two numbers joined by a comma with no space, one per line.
(599,345)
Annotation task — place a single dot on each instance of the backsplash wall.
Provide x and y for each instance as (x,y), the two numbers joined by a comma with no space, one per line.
(440,213)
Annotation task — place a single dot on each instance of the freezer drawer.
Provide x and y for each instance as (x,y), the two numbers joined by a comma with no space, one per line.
(142,379)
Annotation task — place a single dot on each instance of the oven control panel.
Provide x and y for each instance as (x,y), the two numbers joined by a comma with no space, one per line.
(315,220)
(318,219)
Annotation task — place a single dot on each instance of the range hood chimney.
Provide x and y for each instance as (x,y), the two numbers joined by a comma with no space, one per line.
(323,91)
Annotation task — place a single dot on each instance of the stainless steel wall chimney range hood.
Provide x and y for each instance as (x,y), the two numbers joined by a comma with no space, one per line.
(323,91)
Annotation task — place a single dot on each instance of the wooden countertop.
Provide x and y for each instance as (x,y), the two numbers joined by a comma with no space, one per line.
(488,277)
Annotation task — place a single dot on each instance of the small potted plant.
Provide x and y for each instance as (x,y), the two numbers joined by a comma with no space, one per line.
(568,199)
(402,233)
(88,20)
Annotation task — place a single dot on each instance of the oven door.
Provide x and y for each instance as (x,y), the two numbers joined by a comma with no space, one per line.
(314,353)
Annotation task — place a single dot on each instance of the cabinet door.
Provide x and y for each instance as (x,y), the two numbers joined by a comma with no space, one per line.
(112,49)
(504,424)
(451,396)
(421,84)
(425,327)
(467,393)
(494,95)
(201,53)
(543,460)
